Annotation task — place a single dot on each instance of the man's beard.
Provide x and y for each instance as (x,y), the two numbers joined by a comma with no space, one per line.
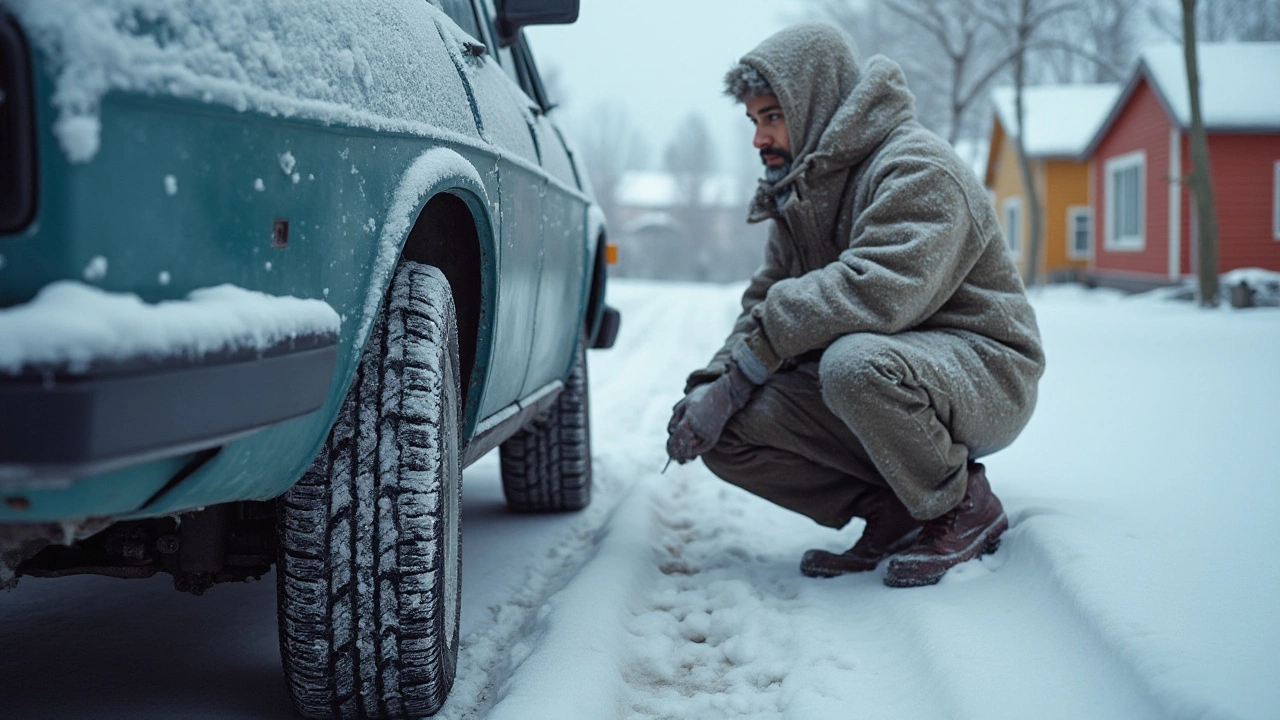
(774,173)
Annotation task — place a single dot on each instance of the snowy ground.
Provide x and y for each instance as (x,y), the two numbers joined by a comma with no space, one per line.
(1139,578)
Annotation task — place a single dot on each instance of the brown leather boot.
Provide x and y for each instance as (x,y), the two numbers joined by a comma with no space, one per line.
(890,528)
(971,529)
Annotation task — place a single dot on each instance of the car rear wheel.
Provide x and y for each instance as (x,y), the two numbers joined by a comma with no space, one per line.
(546,467)
(369,559)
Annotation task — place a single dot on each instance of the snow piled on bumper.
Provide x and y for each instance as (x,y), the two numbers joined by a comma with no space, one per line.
(71,325)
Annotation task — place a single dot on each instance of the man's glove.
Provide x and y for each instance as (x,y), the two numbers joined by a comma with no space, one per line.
(699,418)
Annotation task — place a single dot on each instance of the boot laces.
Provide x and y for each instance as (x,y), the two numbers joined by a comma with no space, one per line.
(940,527)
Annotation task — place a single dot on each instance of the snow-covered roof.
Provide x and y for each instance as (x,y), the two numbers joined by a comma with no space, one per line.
(1061,119)
(651,220)
(1239,86)
(1239,83)
(654,189)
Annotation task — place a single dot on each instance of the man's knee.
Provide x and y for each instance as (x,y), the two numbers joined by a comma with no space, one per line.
(857,370)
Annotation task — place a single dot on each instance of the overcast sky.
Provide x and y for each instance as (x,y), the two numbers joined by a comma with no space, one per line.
(662,59)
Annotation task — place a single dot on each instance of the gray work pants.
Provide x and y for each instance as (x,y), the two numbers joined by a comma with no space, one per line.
(905,411)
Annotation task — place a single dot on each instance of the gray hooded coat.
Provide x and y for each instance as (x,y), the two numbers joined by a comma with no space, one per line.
(886,229)
(883,233)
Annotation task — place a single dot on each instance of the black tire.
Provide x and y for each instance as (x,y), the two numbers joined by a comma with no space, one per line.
(370,560)
(546,467)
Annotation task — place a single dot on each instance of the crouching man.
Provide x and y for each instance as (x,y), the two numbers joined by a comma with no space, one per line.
(886,344)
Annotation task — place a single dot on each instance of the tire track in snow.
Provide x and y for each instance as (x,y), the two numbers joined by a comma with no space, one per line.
(491,655)
(694,646)
(623,406)
(730,629)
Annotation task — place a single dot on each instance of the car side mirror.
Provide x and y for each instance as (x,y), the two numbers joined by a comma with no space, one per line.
(516,14)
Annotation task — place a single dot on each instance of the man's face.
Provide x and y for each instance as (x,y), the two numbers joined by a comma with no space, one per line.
(772,139)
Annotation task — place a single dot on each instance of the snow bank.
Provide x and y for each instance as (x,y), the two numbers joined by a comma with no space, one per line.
(1264,288)
(1265,284)
(380,64)
(70,324)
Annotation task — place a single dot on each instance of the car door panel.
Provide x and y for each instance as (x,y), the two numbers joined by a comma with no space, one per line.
(564,264)
(507,127)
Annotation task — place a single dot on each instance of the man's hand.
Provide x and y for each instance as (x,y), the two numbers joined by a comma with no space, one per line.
(699,418)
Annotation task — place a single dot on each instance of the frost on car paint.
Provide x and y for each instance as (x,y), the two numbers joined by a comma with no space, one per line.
(271,56)
(287,162)
(96,269)
(70,324)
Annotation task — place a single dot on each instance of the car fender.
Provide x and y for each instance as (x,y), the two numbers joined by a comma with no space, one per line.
(435,171)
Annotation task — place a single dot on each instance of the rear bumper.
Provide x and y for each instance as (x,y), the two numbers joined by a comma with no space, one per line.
(57,425)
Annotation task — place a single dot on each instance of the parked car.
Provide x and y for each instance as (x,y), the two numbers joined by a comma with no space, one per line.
(272,273)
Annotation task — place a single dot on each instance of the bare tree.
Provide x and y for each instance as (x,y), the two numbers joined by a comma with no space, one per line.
(869,24)
(611,145)
(1201,184)
(877,29)
(1095,41)
(691,159)
(1261,21)
(1220,20)
(968,63)
(1024,25)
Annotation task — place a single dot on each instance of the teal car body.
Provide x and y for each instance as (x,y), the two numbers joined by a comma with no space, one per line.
(182,180)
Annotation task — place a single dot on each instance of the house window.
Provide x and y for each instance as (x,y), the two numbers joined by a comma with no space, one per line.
(1275,203)
(1126,202)
(1079,232)
(1013,224)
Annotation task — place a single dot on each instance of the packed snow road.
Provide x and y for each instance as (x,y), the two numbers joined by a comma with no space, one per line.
(1138,579)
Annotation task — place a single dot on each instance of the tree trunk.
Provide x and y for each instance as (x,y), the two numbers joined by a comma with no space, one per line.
(1035,243)
(1201,182)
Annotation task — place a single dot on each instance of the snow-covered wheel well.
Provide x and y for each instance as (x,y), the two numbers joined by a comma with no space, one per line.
(446,236)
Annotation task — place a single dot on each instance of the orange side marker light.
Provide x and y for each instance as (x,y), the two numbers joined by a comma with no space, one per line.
(611,253)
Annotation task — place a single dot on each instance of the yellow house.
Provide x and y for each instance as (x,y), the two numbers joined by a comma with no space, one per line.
(1061,120)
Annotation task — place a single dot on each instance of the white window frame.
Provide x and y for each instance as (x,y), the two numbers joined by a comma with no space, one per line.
(1118,164)
(1074,212)
(1012,230)
(1275,203)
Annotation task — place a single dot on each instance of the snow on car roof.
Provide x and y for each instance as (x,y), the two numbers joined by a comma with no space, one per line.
(376,64)
(1061,119)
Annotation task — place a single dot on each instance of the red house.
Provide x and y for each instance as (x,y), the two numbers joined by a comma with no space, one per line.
(1144,219)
